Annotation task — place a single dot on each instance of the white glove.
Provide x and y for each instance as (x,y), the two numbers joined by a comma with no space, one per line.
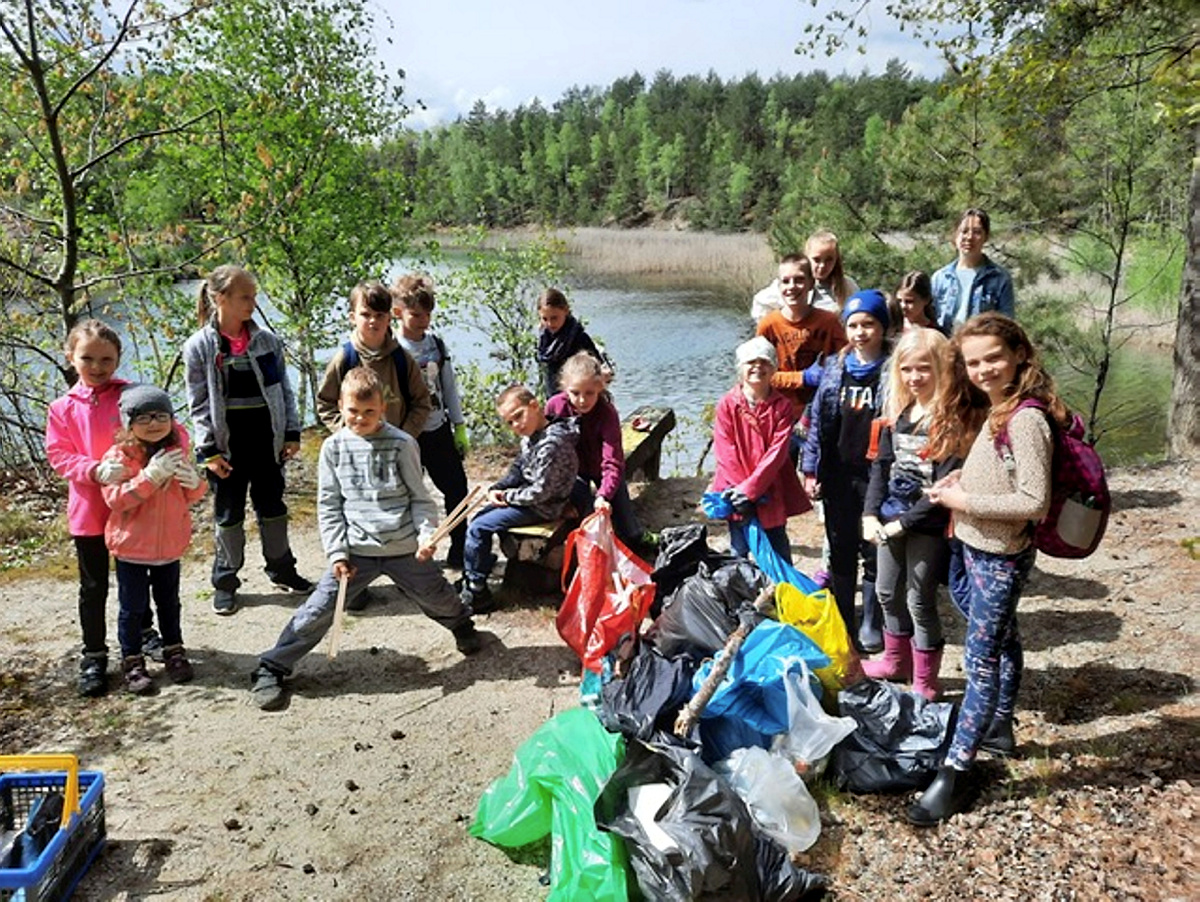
(162,465)
(186,474)
(110,472)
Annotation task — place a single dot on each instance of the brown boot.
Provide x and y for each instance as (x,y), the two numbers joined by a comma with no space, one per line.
(137,680)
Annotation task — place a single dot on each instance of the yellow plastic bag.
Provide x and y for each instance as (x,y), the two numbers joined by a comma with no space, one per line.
(816,615)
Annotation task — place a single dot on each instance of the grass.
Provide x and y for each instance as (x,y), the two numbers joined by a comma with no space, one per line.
(743,260)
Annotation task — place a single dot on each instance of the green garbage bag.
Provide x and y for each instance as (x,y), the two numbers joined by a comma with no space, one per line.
(556,777)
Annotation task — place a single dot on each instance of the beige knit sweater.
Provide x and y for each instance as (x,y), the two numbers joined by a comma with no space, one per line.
(1005,493)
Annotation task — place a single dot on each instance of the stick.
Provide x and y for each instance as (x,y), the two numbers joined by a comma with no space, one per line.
(339,610)
(447,526)
(689,714)
(468,499)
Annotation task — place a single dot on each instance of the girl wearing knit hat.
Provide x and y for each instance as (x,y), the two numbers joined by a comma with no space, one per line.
(150,528)
(836,460)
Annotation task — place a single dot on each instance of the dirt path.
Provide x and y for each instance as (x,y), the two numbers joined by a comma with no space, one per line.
(364,786)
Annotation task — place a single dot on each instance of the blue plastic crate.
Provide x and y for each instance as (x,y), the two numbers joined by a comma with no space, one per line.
(66,858)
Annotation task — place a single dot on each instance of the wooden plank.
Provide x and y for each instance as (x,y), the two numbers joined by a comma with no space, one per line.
(643,447)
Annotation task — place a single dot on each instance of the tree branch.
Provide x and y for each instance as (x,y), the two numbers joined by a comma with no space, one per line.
(133,139)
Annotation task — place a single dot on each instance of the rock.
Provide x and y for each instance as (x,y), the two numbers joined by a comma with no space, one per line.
(352,786)
(310,809)
(232,823)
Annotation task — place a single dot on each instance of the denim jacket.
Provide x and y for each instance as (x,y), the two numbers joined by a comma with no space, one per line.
(991,290)
(825,413)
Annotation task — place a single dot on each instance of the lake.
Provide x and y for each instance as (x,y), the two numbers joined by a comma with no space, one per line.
(674,346)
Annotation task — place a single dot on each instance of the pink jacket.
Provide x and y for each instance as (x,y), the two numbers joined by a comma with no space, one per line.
(751,447)
(79,428)
(150,524)
(601,456)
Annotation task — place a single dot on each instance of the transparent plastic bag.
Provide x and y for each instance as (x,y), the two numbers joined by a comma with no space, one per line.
(811,734)
(779,802)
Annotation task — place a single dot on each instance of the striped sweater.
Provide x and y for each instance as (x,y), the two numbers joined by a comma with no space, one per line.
(371,499)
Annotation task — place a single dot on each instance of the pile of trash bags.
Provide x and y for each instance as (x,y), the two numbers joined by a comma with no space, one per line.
(687,778)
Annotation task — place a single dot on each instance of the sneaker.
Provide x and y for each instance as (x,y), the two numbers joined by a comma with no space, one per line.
(224,601)
(178,667)
(137,680)
(466,638)
(152,645)
(93,676)
(292,581)
(266,689)
(477,598)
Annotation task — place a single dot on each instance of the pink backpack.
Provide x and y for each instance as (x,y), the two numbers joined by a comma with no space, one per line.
(1079,498)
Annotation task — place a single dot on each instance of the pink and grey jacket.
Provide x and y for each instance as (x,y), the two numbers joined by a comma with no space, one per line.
(79,428)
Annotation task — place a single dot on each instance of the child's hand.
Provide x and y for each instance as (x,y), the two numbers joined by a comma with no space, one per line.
(602,504)
(425,553)
(950,495)
(872,529)
(110,472)
(162,465)
(496,497)
(812,488)
(290,450)
(219,466)
(343,570)
(893,529)
(462,441)
(186,474)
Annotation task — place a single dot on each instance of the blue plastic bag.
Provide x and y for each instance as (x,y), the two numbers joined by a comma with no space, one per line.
(769,562)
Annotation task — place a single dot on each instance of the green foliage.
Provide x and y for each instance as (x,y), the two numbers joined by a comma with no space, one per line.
(495,290)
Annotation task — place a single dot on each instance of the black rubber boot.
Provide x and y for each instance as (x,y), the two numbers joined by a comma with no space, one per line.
(946,795)
(999,738)
(870,632)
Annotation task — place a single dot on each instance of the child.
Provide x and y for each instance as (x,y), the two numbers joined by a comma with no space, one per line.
(912,306)
(536,487)
(373,345)
(247,427)
(750,439)
(831,285)
(801,335)
(560,337)
(601,457)
(973,283)
(909,530)
(150,528)
(79,428)
(376,518)
(993,499)
(835,462)
(444,441)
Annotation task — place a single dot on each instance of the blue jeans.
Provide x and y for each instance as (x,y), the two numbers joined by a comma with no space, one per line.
(776,535)
(993,658)
(422,581)
(134,585)
(478,559)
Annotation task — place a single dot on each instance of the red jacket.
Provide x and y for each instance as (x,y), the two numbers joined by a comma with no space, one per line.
(751,446)
(149,524)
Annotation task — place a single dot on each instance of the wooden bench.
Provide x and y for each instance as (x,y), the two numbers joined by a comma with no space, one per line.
(643,447)
(535,556)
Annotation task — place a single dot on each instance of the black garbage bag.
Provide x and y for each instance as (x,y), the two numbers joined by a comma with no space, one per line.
(900,741)
(704,610)
(701,838)
(681,550)
(646,702)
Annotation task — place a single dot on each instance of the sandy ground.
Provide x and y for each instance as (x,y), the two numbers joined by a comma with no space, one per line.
(364,786)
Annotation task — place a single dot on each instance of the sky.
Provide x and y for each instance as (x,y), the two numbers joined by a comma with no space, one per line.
(506,52)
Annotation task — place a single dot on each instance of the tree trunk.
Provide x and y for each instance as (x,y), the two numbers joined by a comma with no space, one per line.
(1183,424)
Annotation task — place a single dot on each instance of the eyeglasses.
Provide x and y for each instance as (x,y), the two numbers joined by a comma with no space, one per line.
(145,419)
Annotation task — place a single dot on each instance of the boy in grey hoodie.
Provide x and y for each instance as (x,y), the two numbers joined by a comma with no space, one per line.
(536,487)
(376,518)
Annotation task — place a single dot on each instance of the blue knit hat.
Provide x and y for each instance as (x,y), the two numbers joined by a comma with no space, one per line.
(869,301)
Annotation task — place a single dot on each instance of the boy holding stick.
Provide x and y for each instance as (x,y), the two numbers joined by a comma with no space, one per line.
(376,518)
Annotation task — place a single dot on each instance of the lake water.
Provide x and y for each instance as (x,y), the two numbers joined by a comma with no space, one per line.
(673,346)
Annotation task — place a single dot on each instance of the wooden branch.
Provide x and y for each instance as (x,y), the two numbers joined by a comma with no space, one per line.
(133,139)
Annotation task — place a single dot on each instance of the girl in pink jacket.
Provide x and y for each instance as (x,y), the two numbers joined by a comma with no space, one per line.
(150,528)
(79,428)
(750,441)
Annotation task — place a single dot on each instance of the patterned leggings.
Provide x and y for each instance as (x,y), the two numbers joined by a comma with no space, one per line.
(994,660)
